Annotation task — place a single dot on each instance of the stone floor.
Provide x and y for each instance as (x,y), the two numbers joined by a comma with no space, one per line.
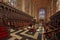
(23,35)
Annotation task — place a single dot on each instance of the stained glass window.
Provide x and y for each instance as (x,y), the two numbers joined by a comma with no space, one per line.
(41,13)
(12,2)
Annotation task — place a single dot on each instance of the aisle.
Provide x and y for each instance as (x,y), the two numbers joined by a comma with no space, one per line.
(23,35)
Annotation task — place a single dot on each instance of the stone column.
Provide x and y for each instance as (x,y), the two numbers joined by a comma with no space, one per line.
(23,5)
(30,7)
(58,5)
(19,4)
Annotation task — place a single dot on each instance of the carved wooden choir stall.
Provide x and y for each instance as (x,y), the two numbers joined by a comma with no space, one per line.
(54,25)
(13,18)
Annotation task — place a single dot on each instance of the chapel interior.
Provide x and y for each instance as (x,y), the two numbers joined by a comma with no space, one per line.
(29,19)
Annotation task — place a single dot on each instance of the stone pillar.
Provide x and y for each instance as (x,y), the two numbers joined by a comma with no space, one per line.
(58,5)
(19,4)
(23,5)
(30,7)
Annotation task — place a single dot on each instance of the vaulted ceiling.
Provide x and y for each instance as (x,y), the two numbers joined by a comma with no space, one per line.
(40,3)
(46,4)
